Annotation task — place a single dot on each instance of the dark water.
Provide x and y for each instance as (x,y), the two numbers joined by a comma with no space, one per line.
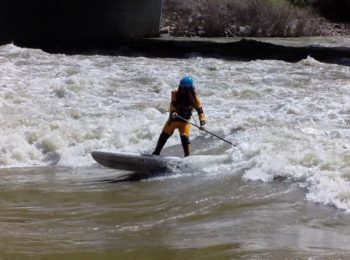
(54,213)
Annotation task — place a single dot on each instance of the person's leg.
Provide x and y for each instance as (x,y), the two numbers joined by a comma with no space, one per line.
(184,130)
(168,130)
(186,145)
(161,142)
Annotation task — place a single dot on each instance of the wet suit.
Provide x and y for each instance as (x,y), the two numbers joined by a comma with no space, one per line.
(183,101)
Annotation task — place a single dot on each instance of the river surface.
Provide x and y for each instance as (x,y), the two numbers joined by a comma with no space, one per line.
(283,192)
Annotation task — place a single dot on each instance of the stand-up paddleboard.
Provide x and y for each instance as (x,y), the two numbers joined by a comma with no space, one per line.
(142,165)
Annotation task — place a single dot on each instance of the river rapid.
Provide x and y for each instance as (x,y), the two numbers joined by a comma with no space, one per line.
(283,191)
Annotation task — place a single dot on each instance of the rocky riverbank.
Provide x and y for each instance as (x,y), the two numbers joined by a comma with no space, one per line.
(207,18)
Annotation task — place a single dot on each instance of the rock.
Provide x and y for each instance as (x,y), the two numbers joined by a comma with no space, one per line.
(242,29)
(259,32)
(165,30)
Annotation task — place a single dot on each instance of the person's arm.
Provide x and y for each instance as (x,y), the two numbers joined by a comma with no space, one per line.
(172,108)
(200,111)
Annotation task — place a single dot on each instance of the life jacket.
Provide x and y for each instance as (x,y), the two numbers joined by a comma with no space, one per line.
(184,105)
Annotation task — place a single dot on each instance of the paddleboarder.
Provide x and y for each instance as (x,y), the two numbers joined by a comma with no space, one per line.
(183,101)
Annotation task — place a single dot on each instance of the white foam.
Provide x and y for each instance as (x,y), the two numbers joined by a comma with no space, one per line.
(294,117)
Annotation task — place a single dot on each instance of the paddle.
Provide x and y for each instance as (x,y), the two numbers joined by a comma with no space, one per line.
(203,129)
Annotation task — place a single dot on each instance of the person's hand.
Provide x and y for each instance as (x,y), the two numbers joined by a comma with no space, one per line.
(173,115)
(202,123)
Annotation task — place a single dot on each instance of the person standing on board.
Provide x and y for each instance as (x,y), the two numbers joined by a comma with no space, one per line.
(183,101)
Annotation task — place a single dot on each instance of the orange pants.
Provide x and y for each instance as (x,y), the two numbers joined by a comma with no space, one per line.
(170,126)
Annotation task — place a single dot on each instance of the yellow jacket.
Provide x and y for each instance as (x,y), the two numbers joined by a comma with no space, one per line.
(185,111)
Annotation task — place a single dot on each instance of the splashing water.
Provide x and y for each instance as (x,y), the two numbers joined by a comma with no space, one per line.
(292,118)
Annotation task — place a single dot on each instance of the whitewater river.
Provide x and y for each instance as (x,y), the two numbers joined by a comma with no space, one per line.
(282,192)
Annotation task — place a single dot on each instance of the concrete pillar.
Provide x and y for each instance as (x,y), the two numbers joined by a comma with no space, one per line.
(78,21)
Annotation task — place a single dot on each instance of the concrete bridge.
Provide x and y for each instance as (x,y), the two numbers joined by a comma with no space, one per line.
(38,22)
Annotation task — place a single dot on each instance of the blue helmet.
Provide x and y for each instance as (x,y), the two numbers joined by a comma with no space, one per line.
(186,82)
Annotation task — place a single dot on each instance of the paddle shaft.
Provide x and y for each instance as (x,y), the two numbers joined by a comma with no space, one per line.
(201,128)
